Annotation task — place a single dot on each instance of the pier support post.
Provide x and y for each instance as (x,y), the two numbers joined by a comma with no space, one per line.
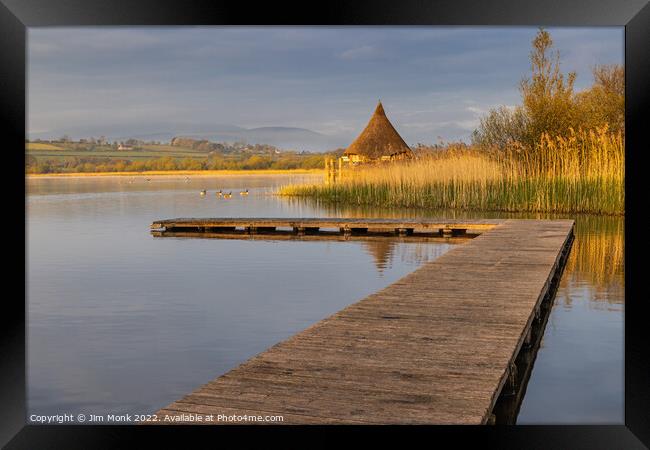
(510,386)
(305,230)
(528,340)
(328,170)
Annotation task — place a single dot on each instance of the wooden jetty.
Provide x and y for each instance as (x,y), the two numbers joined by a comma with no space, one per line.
(326,225)
(440,346)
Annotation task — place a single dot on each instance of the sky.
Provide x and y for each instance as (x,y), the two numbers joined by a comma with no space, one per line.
(434,82)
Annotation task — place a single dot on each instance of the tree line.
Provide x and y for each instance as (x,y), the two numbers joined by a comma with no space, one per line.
(551,106)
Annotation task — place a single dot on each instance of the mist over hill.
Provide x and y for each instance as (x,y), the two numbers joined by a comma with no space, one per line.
(287,138)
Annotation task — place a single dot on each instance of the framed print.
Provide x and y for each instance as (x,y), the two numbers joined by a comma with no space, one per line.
(364,217)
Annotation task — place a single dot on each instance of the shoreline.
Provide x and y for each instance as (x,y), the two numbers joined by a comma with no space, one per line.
(177,173)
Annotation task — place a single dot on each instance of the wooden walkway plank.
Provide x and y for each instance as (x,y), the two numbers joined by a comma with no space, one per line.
(434,347)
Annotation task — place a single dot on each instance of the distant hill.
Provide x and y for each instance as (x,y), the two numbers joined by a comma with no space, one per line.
(281,137)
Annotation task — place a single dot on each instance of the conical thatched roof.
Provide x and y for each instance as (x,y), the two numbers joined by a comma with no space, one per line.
(378,139)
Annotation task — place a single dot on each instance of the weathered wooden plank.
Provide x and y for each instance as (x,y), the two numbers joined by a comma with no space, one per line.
(433,347)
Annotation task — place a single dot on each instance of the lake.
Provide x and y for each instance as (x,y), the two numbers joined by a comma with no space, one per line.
(121,322)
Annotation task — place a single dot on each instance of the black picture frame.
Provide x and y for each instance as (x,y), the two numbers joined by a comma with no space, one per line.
(634,15)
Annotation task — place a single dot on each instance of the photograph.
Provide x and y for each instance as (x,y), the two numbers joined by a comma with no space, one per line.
(355,225)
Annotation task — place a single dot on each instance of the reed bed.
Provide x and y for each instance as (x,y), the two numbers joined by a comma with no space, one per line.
(582,172)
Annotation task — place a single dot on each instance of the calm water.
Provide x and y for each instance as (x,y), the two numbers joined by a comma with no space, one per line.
(120,322)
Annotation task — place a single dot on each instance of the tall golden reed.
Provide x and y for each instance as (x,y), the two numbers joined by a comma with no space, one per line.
(582,172)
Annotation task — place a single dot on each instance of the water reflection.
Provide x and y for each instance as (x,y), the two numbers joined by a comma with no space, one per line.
(381,252)
(102,184)
(597,261)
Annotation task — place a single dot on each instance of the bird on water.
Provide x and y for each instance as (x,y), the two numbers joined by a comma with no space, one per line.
(202,192)
(244,192)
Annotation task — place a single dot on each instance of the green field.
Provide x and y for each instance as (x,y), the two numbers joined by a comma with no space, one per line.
(83,157)
(40,146)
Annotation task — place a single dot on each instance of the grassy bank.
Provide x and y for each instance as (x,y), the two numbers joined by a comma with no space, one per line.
(583,172)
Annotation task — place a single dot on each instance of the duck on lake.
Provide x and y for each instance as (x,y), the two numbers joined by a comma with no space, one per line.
(228,195)
(244,192)
(203,192)
(219,193)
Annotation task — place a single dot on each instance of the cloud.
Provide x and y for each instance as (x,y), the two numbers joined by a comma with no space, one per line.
(468,125)
(476,110)
(432,80)
(365,52)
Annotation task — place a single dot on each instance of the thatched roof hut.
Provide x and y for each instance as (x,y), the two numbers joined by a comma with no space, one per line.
(378,141)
